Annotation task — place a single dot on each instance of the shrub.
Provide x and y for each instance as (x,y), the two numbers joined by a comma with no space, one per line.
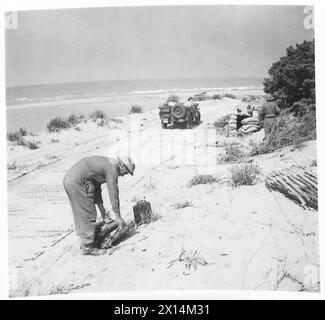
(116,120)
(97,114)
(135,108)
(74,119)
(17,135)
(181,205)
(221,122)
(57,124)
(229,95)
(173,98)
(233,153)
(244,174)
(216,97)
(292,77)
(203,179)
(287,131)
(32,145)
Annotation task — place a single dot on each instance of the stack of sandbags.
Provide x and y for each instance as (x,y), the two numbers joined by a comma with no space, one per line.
(232,124)
(250,125)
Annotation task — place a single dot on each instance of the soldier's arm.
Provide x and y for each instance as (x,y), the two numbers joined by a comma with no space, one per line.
(113,193)
(99,200)
(261,114)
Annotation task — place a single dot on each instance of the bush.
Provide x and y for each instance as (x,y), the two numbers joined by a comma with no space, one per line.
(233,153)
(244,174)
(221,122)
(216,97)
(203,179)
(32,145)
(97,114)
(173,98)
(135,108)
(230,95)
(287,131)
(57,124)
(17,135)
(73,119)
(292,78)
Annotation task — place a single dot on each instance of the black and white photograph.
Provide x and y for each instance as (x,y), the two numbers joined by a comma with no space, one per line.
(161,147)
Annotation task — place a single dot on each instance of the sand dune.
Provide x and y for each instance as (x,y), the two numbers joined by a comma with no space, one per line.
(249,237)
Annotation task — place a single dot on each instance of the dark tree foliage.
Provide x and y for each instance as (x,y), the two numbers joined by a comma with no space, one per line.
(292,78)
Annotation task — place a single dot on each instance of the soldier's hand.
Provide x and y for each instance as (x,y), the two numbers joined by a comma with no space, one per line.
(108,217)
(121,223)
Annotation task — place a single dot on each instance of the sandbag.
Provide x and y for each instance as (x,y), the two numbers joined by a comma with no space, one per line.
(250,130)
(250,120)
(246,127)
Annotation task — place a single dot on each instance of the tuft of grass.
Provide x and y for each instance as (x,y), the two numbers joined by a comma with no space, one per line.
(57,124)
(75,119)
(189,259)
(216,97)
(33,145)
(203,179)
(18,134)
(55,140)
(181,205)
(135,108)
(77,128)
(98,114)
(230,95)
(65,289)
(244,174)
(221,122)
(116,120)
(233,153)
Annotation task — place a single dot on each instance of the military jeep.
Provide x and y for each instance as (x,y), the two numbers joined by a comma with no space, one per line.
(178,113)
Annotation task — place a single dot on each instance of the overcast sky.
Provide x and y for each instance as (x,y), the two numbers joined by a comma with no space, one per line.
(150,42)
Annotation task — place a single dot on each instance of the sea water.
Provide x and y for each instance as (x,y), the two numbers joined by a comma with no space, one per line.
(32,107)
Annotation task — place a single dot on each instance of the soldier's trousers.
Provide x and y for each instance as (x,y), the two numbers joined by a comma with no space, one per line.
(83,208)
(268,124)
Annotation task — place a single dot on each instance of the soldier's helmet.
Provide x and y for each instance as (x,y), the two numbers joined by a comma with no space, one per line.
(269,98)
(128,163)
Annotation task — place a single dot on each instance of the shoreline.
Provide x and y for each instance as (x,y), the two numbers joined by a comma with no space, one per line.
(113,106)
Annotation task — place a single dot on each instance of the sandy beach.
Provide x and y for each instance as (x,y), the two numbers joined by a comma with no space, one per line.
(249,237)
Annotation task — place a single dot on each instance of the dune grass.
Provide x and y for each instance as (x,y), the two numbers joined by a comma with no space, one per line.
(135,108)
(97,114)
(57,124)
(244,174)
(288,131)
(233,153)
(203,179)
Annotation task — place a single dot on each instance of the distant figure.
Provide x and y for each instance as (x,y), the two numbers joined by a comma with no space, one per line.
(269,111)
(240,117)
(250,110)
(82,183)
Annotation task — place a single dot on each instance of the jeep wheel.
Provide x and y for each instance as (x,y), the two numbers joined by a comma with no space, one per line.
(178,111)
